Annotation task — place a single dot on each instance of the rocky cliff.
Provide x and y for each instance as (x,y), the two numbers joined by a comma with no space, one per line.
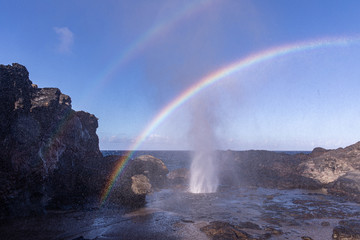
(49,152)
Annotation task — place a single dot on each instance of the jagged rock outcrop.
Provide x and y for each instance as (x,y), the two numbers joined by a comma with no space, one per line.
(142,175)
(329,166)
(49,152)
(338,170)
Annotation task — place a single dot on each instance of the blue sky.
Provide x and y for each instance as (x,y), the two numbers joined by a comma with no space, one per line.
(125,60)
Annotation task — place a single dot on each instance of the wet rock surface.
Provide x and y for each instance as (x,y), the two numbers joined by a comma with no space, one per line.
(224,230)
(347,230)
(231,213)
(261,213)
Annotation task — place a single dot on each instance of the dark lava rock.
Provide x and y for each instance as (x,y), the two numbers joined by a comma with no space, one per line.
(306,238)
(347,230)
(274,231)
(249,225)
(80,238)
(223,230)
(49,152)
(142,175)
(153,168)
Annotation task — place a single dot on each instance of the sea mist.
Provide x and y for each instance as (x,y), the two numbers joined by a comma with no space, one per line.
(203,170)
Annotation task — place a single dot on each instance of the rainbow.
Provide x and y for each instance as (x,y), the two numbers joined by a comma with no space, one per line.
(144,40)
(214,77)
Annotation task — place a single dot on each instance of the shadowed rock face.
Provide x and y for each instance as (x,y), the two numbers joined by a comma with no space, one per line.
(49,152)
(347,185)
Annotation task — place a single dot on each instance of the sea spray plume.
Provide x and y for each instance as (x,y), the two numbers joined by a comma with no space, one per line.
(202,137)
(220,74)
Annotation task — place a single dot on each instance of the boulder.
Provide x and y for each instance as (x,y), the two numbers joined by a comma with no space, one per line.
(223,230)
(153,168)
(141,176)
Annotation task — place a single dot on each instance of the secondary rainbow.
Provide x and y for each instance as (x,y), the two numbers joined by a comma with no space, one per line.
(214,77)
(144,41)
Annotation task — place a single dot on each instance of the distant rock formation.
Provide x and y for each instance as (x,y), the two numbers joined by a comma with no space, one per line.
(338,170)
(49,152)
(264,169)
(331,165)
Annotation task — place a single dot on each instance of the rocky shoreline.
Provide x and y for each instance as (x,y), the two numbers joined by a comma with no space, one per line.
(50,160)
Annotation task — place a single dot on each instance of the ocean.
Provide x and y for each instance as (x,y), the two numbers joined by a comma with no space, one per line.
(174,159)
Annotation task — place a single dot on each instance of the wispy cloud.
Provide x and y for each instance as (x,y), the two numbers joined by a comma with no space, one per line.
(66,38)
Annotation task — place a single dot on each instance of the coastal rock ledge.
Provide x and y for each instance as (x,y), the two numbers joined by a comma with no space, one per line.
(49,152)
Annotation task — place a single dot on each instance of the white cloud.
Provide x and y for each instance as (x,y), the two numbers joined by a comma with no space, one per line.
(66,38)
(156,138)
